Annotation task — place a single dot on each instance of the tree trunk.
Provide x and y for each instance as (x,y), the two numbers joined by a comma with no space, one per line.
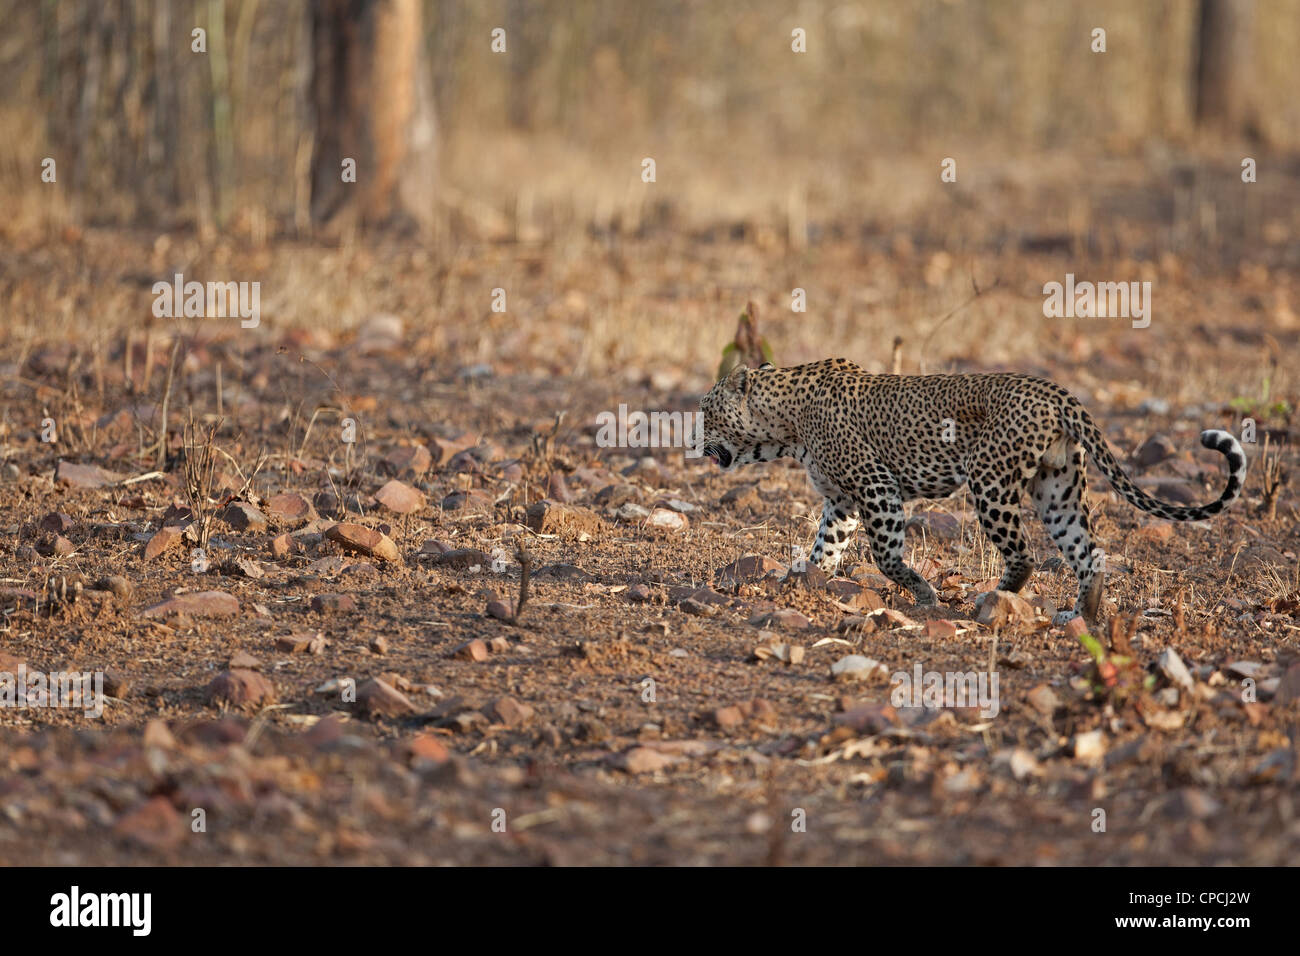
(372,98)
(1224,65)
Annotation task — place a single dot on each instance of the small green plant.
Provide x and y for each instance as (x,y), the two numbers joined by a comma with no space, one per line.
(1262,406)
(1115,674)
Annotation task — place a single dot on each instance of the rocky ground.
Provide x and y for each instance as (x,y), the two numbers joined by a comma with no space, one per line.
(371,592)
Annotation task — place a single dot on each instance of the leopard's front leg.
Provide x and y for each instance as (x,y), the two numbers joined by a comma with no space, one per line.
(838,524)
(881,507)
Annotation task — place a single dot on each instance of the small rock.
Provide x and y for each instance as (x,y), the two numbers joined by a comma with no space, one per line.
(162,540)
(473,650)
(1252,669)
(752,567)
(891,618)
(640,760)
(196,604)
(157,734)
(940,629)
(697,608)
(239,687)
(475,500)
(57,546)
(500,610)
(1288,686)
(1023,764)
(858,667)
(700,595)
(242,660)
(242,516)
(367,541)
(1172,666)
(1076,627)
(283,545)
(854,597)
(293,643)
(667,520)
(400,497)
(1004,609)
(557,489)
(116,684)
(773,649)
(444,449)
(1090,747)
(427,747)
(333,603)
(56,522)
(379,698)
(727,718)
(508,711)
(291,509)
(379,645)
(782,617)
(243,566)
(550,517)
(120,586)
(154,824)
(463,558)
(409,459)
(1044,700)
(83,476)
(1154,450)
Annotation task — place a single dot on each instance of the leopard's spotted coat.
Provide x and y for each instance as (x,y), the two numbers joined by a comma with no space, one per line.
(871,442)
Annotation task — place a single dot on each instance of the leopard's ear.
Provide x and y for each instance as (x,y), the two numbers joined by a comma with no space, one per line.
(766,367)
(738,380)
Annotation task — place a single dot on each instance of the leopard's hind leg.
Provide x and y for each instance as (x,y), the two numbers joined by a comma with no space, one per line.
(1059,492)
(997,495)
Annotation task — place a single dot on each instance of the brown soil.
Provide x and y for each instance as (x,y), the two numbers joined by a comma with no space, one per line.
(616,719)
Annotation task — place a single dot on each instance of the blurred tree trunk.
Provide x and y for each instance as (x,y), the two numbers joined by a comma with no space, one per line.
(521,56)
(1224,66)
(372,98)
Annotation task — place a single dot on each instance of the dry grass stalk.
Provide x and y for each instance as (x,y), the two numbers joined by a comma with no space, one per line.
(200,477)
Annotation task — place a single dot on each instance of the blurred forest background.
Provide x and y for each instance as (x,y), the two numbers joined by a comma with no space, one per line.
(515,159)
(550,134)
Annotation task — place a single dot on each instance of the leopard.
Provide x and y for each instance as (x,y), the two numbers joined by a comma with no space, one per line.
(871,442)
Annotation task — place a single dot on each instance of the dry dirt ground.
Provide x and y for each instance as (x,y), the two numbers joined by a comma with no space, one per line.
(329,680)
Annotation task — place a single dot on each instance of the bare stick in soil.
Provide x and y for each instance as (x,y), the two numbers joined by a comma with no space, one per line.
(525,570)
(161,460)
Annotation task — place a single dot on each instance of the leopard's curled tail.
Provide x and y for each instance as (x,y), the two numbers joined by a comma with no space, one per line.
(1079,425)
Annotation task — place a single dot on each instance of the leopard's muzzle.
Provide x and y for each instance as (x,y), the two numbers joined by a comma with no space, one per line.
(718,453)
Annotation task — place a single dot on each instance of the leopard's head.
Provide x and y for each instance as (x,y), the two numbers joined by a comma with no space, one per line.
(733,428)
